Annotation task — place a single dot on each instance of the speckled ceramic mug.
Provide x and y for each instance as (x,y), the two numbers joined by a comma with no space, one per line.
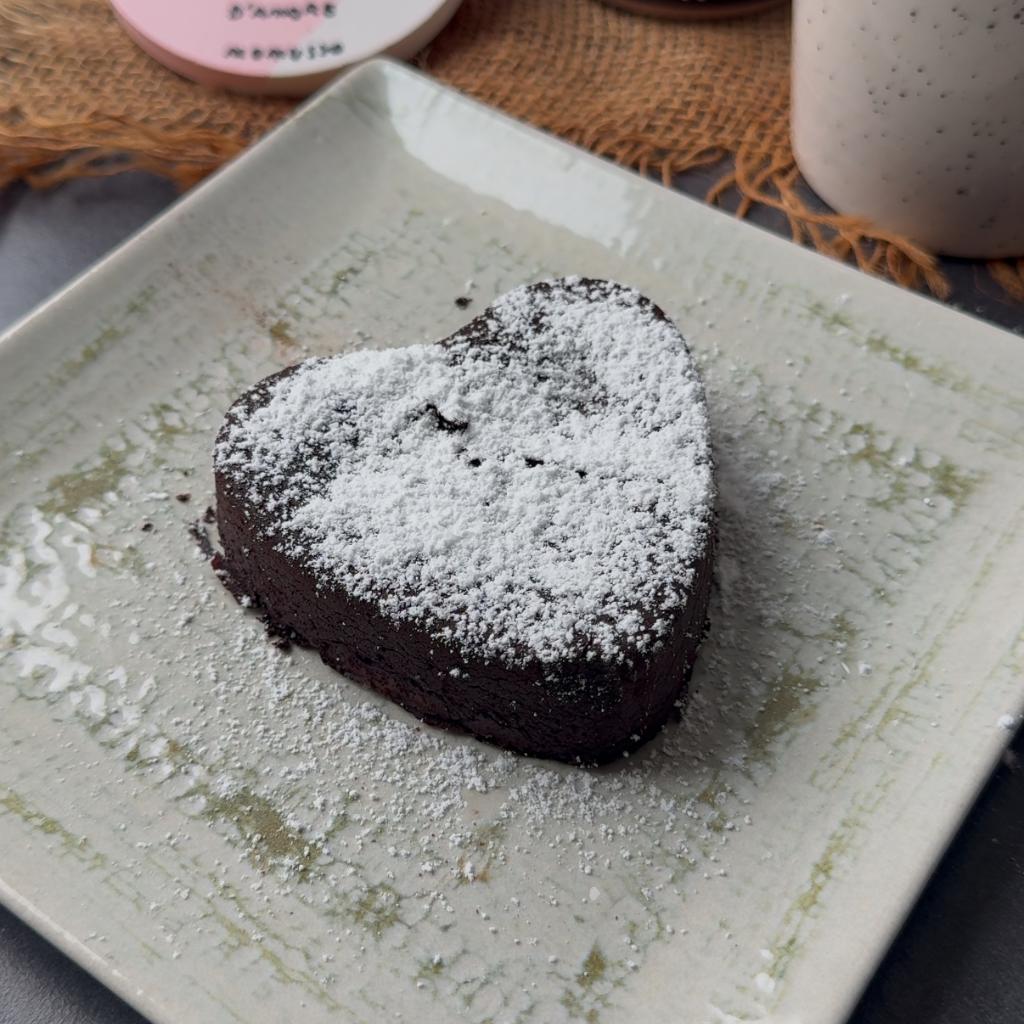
(911,113)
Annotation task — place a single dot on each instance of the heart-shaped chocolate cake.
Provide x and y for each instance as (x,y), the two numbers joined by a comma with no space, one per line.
(509,531)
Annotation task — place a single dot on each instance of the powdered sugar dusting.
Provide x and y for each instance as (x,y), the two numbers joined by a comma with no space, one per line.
(537,487)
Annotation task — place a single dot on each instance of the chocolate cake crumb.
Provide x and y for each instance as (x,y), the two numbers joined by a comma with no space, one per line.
(202,539)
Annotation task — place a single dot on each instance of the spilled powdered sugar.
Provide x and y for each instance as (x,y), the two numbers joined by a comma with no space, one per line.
(265,818)
(539,486)
(314,818)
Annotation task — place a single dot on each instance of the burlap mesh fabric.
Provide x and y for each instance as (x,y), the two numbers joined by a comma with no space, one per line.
(77,98)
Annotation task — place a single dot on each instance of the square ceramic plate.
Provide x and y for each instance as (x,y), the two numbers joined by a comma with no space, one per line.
(223,831)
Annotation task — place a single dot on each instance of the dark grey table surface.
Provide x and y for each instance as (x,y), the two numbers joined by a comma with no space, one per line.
(958,960)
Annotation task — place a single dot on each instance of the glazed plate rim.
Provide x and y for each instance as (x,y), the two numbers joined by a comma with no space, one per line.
(370,76)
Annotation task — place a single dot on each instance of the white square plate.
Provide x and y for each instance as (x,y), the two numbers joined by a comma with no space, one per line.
(225,832)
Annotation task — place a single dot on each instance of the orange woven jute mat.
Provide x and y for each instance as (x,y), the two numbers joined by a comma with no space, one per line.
(78,98)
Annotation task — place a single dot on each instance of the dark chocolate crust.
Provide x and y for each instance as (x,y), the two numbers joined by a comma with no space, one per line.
(581,711)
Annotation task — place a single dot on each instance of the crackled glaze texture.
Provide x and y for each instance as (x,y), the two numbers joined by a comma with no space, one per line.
(225,831)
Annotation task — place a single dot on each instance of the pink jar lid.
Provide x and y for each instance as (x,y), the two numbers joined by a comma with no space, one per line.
(278,47)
